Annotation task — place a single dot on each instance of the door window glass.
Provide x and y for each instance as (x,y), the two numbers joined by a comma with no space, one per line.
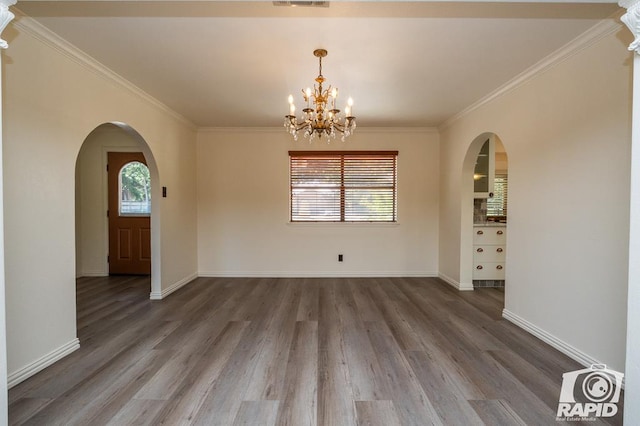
(134,190)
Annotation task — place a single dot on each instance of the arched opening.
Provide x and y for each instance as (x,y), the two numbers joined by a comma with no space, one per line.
(484,211)
(92,199)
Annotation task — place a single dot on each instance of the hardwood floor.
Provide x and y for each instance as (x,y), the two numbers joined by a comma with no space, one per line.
(266,351)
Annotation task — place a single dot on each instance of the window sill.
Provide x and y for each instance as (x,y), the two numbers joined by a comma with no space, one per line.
(344,224)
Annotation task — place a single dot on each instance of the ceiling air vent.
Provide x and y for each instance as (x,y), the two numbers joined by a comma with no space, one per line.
(295,3)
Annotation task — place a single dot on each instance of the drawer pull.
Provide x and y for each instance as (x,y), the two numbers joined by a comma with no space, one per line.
(499,267)
(500,232)
(479,267)
(479,232)
(480,250)
(499,250)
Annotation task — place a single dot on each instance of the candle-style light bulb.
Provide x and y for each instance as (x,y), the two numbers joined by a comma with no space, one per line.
(334,95)
(290,99)
(292,109)
(350,107)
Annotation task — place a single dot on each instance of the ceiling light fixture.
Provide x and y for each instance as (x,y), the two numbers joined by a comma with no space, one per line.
(323,118)
(294,3)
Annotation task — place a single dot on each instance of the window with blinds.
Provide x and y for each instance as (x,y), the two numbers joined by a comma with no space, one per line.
(497,205)
(343,186)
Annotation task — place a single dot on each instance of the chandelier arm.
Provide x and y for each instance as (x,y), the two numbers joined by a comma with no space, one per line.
(300,126)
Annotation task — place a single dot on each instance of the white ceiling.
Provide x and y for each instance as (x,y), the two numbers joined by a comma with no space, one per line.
(233,64)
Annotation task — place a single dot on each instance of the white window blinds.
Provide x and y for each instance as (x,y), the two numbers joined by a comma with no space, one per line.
(497,205)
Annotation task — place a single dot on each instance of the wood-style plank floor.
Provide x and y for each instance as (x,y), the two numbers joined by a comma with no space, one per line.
(267,351)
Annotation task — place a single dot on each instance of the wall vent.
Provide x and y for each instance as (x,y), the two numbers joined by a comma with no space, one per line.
(296,3)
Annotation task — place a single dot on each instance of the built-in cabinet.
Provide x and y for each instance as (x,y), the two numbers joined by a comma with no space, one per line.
(485,169)
(489,252)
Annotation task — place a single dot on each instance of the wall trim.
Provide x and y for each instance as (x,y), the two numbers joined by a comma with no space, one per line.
(424,130)
(32,27)
(590,37)
(43,362)
(323,274)
(564,347)
(454,283)
(93,274)
(155,295)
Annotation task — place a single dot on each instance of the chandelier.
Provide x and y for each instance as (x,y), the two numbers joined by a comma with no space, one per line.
(321,118)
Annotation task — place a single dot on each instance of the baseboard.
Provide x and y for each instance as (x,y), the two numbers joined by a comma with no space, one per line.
(455,284)
(93,274)
(323,274)
(167,291)
(41,363)
(562,346)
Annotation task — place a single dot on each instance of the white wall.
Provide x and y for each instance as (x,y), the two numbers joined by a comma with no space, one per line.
(52,101)
(243,209)
(92,239)
(567,135)
(632,373)
(4,397)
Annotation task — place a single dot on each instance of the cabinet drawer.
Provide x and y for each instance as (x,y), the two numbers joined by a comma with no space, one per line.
(489,254)
(489,235)
(488,271)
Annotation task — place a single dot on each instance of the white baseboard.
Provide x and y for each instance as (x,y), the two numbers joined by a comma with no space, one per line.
(167,291)
(562,346)
(323,274)
(455,284)
(41,363)
(93,274)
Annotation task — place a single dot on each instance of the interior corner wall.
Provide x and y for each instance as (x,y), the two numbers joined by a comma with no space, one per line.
(567,133)
(243,209)
(52,101)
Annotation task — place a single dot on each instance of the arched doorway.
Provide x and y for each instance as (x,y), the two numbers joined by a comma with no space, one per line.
(92,225)
(483,218)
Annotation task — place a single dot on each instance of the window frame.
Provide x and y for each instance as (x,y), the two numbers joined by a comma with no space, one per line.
(344,188)
(121,213)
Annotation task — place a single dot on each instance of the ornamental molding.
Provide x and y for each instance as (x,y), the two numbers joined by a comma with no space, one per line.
(39,32)
(587,39)
(5,17)
(632,20)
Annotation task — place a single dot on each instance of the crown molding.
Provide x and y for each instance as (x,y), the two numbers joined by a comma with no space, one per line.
(279,129)
(587,39)
(38,31)
(428,130)
(54,41)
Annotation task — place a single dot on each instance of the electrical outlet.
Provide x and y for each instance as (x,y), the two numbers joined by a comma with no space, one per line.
(340,258)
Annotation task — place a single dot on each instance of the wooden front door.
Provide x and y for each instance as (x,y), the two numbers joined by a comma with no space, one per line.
(129,214)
